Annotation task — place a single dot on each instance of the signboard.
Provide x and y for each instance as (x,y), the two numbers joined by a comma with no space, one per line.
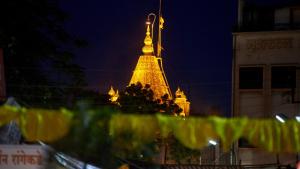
(22,157)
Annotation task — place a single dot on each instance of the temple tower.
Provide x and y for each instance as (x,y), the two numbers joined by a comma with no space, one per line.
(182,102)
(149,70)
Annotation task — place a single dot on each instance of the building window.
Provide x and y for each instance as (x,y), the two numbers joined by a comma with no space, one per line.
(296,17)
(283,77)
(282,18)
(251,78)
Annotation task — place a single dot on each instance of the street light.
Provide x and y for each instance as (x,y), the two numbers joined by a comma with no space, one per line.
(298,118)
(216,150)
(281,117)
(212,142)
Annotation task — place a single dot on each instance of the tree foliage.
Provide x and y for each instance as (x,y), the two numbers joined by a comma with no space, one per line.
(181,154)
(139,99)
(89,139)
(39,70)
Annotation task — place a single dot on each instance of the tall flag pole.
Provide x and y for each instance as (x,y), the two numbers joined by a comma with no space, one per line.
(159,46)
(161,26)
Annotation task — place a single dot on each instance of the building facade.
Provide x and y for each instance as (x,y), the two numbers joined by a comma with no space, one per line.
(266,70)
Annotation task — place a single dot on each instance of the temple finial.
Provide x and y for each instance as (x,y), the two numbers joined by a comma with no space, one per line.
(148,47)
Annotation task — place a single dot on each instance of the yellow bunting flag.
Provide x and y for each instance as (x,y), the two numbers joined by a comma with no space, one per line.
(8,113)
(45,125)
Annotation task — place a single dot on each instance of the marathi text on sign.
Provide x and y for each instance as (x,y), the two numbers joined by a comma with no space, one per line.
(21,156)
(268,44)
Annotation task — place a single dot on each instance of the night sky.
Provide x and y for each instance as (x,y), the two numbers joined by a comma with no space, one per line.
(197,40)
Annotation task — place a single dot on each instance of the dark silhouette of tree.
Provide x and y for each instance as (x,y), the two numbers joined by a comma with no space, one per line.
(89,139)
(139,99)
(39,70)
(179,153)
(136,99)
(168,106)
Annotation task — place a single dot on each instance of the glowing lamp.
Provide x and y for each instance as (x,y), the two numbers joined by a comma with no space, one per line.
(212,142)
(281,118)
(298,118)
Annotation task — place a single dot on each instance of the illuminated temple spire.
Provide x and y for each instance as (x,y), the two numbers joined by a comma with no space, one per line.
(148,48)
(149,71)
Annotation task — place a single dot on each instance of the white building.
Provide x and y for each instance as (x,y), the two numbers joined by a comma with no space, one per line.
(266,70)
